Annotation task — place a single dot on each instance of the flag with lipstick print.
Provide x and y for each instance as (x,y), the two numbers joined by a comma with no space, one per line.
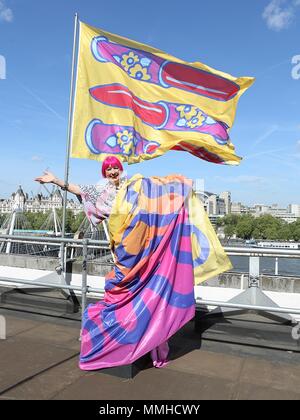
(137,102)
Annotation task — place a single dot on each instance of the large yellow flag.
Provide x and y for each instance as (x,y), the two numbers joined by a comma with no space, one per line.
(137,102)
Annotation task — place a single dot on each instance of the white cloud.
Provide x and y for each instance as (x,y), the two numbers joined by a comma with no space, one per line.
(6,14)
(37,158)
(280,13)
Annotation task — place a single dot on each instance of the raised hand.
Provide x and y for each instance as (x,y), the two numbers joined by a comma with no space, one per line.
(48,177)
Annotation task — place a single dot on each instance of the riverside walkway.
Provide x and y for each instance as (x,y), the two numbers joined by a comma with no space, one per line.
(38,360)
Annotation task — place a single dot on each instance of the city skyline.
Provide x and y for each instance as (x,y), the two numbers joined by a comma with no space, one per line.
(34,89)
(45,193)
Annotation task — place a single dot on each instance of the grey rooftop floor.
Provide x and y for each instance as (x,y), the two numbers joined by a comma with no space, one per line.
(38,360)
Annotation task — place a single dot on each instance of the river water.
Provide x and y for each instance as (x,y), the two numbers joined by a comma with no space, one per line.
(286,266)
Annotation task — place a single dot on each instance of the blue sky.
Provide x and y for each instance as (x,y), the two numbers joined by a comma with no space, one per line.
(259,38)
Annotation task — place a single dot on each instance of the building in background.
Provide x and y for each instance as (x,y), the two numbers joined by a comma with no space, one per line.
(38,203)
(289,214)
(215,205)
(239,208)
(294,209)
(226,196)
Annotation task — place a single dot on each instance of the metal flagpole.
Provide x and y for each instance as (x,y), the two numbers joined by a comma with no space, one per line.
(68,148)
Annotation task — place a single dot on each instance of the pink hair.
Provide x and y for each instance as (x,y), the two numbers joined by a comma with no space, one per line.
(111,161)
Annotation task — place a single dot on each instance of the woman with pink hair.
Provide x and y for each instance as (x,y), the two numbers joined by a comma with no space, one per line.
(163,243)
(98,199)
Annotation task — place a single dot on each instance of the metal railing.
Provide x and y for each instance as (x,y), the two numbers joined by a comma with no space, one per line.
(254,293)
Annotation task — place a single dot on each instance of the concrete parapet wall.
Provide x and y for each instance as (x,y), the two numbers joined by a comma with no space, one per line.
(101,268)
(268,282)
(34,262)
(95,268)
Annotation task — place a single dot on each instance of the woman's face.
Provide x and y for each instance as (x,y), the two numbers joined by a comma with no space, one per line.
(113,173)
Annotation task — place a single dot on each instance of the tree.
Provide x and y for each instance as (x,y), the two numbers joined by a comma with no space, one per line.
(295,230)
(229,231)
(266,226)
(2,218)
(77,220)
(262,227)
(244,229)
(36,220)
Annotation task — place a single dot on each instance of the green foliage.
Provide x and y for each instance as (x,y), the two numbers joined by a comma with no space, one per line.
(229,231)
(77,220)
(72,222)
(295,230)
(244,227)
(229,219)
(36,220)
(263,227)
(2,218)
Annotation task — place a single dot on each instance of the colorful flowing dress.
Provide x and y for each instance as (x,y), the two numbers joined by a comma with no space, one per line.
(163,244)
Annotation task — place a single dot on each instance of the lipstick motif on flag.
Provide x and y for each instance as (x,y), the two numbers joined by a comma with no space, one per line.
(116,139)
(161,115)
(148,67)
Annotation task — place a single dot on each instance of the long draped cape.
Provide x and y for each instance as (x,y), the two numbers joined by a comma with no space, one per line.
(163,244)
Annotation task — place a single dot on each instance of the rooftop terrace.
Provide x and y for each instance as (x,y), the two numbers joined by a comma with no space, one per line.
(38,360)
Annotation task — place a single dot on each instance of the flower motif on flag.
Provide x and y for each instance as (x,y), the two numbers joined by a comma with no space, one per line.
(139,72)
(129,60)
(187,111)
(125,141)
(189,116)
(196,121)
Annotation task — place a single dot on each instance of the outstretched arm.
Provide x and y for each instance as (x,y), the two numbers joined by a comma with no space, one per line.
(50,178)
